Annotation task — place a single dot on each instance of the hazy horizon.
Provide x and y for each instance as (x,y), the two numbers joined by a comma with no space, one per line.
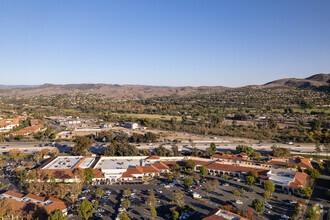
(35,85)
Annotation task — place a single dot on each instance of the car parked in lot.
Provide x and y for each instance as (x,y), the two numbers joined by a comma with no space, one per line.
(268,206)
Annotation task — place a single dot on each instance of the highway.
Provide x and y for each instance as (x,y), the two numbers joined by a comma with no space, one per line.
(64,147)
(301,148)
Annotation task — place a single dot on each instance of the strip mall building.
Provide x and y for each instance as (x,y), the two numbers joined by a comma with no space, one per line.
(115,169)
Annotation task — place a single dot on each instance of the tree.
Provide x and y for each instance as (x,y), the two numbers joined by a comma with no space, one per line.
(96,204)
(245,149)
(57,215)
(175,167)
(85,210)
(38,156)
(258,205)
(197,177)
(99,192)
(178,199)
(314,212)
(249,214)
(236,193)
(194,152)
(89,174)
(127,193)
(123,216)
(7,208)
(256,155)
(213,147)
(266,195)
(14,152)
(215,183)
(153,212)
(152,199)
(225,177)
(269,186)
(54,152)
(250,180)
(83,143)
(314,173)
(145,152)
(175,215)
(175,150)
(79,175)
(207,187)
(188,182)
(162,151)
(125,203)
(306,191)
(280,151)
(203,170)
(190,165)
(254,174)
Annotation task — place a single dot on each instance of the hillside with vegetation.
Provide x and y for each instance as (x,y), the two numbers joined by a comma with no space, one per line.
(263,113)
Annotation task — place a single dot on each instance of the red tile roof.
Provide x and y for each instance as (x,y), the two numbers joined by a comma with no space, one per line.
(201,162)
(231,168)
(299,180)
(150,169)
(28,130)
(98,173)
(32,196)
(15,194)
(161,166)
(230,156)
(153,157)
(19,206)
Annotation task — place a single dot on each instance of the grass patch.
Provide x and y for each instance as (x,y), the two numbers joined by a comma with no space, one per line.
(201,200)
(160,117)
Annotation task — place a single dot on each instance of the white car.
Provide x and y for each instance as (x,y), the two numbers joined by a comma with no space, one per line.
(267,211)
(268,206)
(239,202)
(284,217)
(225,184)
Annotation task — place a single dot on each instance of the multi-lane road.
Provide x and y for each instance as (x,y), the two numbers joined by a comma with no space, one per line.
(301,148)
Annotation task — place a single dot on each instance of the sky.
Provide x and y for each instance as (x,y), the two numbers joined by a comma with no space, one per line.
(162,42)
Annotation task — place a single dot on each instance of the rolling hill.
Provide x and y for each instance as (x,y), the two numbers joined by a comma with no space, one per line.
(318,82)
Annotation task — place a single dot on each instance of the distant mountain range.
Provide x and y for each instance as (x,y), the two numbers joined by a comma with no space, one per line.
(319,82)
(16,86)
(315,82)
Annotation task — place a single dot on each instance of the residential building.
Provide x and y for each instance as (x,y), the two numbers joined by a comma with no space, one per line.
(8,124)
(131,125)
(27,131)
(28,201)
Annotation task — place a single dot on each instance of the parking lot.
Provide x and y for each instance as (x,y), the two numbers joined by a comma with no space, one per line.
(222,195)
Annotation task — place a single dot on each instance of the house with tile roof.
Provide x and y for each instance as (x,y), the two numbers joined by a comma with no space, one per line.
(31,130)
(26,201)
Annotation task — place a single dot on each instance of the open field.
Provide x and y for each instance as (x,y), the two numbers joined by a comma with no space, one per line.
(151,116)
